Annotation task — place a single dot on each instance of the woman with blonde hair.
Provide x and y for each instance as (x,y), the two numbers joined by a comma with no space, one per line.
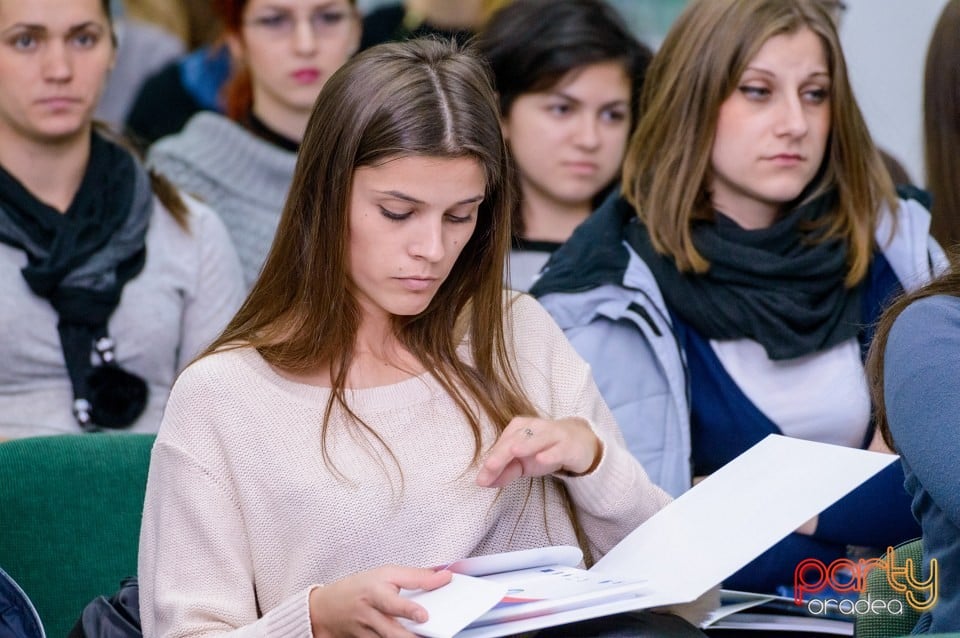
(379,400)
(728,293)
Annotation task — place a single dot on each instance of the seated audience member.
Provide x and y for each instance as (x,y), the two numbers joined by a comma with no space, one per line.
(457,19)
(111,282)
(568,74)
(142,50)
(176,92)
(164,102)
(284,51)
(757,239)
(913,371)
(377,351)
(941,132)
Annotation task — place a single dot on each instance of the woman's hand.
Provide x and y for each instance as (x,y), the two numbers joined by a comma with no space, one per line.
(530,446)
(368,603)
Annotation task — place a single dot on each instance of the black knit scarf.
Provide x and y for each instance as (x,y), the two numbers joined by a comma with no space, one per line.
(773,285)
(80,260)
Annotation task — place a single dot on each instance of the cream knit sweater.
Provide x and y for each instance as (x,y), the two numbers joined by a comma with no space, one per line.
(243,516)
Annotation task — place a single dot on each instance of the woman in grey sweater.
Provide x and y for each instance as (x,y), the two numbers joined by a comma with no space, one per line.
(241,164)
(111,281)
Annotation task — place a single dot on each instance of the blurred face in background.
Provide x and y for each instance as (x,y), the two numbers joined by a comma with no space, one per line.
(291,48)
(54,59)
(772,131)
(569,140)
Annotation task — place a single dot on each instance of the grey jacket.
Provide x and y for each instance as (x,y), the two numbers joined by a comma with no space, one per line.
(607,301)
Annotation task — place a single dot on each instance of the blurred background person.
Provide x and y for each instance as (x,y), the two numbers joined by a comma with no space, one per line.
(143,48)
(169,97)
(192,83)
(241,163)
(913,373)
(177,91)
(730,292)
(568,75)
(111,281)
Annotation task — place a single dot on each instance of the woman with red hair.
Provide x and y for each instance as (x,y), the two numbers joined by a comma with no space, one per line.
(241,164)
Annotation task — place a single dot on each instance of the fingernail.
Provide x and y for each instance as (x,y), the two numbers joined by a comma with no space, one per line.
(420,616)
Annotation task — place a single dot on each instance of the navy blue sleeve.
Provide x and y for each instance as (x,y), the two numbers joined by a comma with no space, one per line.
(876,514)
(775,568)
(922,397)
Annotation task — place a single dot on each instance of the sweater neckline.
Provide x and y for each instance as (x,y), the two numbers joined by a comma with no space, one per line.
(409,392)
(260,128)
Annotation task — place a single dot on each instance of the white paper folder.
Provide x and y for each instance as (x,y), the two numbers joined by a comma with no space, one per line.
(680,553)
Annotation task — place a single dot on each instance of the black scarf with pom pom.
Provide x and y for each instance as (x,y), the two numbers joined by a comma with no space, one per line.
(80,260)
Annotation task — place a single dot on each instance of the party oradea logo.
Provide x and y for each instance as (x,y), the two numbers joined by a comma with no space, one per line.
(813,576)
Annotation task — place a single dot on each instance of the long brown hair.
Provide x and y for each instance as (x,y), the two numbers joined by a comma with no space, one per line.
(946,284)
(667,165)
(941,124)
(422,98)
(415,98)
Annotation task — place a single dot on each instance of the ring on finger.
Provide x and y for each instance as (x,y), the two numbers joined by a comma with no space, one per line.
(527,433)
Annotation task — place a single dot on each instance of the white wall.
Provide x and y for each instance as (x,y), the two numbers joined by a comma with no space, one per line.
(885,42)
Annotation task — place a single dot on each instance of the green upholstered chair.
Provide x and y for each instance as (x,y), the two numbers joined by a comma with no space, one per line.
(70,509)
(877,587)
